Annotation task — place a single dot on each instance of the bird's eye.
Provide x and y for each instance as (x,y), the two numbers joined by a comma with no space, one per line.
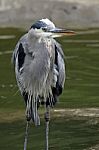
(44,29)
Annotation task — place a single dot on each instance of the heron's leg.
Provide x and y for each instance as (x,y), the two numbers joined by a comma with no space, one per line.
(26,136)
(28,108)
(28,111)
(47,119)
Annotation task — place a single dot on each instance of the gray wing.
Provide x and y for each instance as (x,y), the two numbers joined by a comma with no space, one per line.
(59,72)
(18,59)
(19,49)
(59,61)
(61,65)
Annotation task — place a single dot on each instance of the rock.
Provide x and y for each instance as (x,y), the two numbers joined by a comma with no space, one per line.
(65,13)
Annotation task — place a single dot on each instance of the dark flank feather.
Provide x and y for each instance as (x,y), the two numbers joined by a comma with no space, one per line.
(21,56)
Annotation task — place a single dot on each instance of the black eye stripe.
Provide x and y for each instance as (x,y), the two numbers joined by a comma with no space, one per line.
(39,24)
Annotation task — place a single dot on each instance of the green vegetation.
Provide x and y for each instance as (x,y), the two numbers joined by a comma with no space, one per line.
(67,131)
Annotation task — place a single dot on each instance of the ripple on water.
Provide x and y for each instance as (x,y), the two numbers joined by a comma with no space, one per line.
(4,37)
(6,52)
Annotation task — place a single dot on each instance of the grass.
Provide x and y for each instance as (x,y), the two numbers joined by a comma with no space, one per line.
(67,132)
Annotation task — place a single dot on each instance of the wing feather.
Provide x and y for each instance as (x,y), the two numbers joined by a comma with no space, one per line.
(60,64)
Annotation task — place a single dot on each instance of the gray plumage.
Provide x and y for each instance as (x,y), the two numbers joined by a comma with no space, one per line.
(39,67)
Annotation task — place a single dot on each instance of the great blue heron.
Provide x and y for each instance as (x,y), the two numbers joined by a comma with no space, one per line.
(39,67)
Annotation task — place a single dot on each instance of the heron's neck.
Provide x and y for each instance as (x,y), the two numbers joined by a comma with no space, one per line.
(32,40)
(34,36)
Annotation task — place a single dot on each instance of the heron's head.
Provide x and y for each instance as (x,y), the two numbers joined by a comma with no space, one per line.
(46,28)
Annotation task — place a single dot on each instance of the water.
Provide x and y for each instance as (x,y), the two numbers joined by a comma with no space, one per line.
(67,131)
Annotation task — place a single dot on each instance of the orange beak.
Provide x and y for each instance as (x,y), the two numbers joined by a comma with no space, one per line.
(62,32)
